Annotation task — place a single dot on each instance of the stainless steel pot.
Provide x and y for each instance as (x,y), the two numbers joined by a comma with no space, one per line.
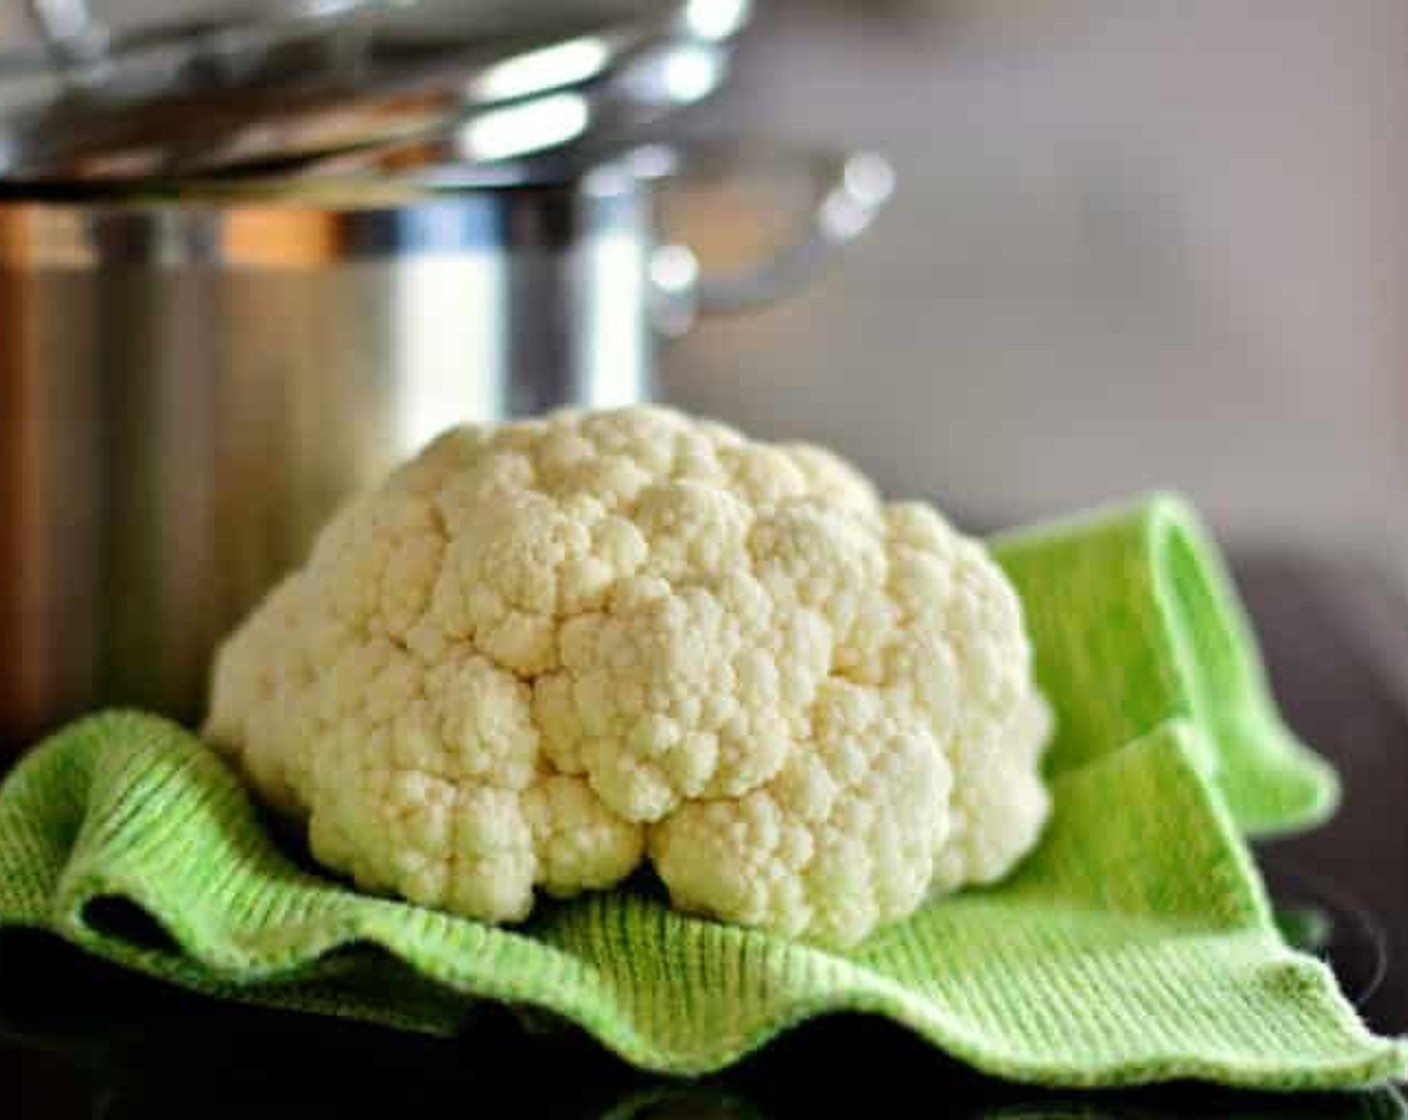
(192,378)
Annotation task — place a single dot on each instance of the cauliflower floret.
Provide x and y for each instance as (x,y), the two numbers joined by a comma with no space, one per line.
(544,653)
(842,840)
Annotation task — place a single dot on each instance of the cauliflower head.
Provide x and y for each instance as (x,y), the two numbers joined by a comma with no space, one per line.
(544,653)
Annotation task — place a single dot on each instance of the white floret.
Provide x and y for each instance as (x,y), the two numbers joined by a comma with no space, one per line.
(544,653)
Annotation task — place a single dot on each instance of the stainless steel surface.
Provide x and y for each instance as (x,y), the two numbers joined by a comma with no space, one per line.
(191,390)
(71,50)
(317,75)
(193,378)
(653,83)
(70,31)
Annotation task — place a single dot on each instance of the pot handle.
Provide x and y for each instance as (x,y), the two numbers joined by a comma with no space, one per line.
(848,190)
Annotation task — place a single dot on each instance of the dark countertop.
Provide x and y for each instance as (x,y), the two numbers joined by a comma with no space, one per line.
(80,1039)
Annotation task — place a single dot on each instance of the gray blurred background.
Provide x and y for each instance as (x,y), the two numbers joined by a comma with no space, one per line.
(1135,245)
(1158,244)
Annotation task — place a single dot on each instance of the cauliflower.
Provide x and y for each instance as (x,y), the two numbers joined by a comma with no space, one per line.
(545,653)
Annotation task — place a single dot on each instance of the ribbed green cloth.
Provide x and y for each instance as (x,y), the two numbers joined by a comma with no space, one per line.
(1135,945)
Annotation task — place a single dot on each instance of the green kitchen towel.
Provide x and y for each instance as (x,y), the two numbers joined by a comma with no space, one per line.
(1135,621)
(1135,945)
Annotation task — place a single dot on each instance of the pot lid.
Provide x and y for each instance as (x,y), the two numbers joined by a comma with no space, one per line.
(262,88)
